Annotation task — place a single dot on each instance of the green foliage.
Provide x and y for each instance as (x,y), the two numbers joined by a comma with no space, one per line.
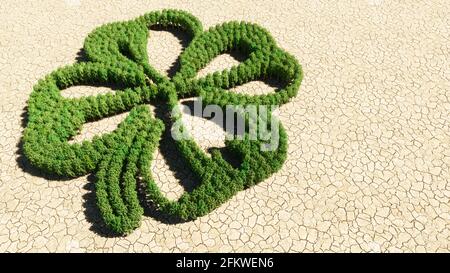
(117,55)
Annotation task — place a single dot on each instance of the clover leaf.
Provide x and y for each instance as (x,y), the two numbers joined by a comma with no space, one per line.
(121,159)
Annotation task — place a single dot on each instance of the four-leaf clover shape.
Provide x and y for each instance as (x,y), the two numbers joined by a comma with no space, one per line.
(116,54)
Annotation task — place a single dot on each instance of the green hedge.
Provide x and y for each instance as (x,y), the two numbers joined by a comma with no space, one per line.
(116,54)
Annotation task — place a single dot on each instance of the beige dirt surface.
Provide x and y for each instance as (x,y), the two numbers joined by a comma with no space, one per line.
(368,163)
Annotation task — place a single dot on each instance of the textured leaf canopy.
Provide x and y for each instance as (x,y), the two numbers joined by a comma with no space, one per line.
(117,54)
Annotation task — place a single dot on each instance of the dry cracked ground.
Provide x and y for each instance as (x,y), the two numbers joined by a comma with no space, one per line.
(369,138)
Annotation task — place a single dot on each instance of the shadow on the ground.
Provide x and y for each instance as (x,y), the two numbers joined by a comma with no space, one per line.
(183,37)
(169,152)
(81,56)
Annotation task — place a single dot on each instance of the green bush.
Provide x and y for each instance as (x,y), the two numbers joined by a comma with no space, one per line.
(116,54)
